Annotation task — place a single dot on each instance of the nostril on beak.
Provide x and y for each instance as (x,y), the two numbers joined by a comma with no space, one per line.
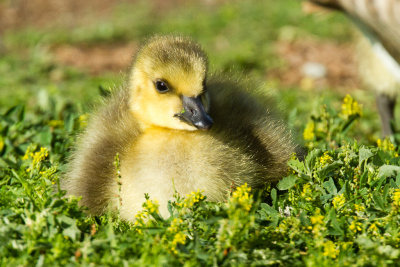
(194,113)
(204,125)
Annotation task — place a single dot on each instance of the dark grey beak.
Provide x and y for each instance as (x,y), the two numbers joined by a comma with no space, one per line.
(194,113)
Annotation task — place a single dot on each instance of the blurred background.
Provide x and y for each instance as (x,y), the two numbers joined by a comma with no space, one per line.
(56,54)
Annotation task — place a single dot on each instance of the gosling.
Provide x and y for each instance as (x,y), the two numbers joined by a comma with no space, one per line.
(176,129)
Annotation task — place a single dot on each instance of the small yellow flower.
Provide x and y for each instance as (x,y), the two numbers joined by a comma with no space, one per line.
(330,250)
(345,245)
(37,157)
(56,123)
(359,208)
(83,119)
(140,220)
(175,225)
(373,228)
(308,133)
(141,215)
(350,107)
(179,238)
(151,206)
(355,226)
(338,201)
(28,152)
(1,143)
(317,219)
(306,193)
(387,145)
(396,197)
(192,199)
(283,226)
(325,159)
(242,197)
(48,173)
(40,155)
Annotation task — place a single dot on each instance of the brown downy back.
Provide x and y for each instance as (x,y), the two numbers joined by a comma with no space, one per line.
(91,166)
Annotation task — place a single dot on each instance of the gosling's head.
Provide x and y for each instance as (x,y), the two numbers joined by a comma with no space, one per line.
(168,85)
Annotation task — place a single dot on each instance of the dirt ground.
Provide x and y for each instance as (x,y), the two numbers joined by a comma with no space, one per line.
(22,13)
(338,60)
(16,14)
(97,59)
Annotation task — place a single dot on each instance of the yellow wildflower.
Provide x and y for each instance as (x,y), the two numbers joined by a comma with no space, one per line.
(308,133)
(355,226)
(350,107)
(359,208)
(28,152)
(1,143)
(317,219)
(48,173)
(37,157)
(175,224)
(141,215)
(387,145)
(283,226)
(330,249)
(242,197)
(143,218)
(55,123)
(396,197)
(179,238)
(306,193)
(192,199)
(325,159)
(151,206)
(83,120)
(345,245)
(140,220)
(338,201)
(373,228)
(40,156)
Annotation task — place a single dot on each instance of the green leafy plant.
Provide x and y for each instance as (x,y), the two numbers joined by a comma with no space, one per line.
(340,205)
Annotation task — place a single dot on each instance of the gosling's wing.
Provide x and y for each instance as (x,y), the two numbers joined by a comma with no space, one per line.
(91,172)
(248,120)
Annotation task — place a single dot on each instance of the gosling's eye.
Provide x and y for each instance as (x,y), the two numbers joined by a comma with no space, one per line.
(162,87)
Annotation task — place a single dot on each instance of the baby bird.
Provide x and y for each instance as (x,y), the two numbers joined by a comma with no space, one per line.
(176,129)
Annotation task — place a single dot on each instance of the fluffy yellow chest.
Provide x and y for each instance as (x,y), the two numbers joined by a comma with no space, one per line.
(161,161)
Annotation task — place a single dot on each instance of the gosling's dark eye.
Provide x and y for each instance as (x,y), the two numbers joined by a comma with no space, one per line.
(161,87)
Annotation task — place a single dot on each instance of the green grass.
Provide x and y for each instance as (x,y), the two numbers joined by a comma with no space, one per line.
(340,206)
